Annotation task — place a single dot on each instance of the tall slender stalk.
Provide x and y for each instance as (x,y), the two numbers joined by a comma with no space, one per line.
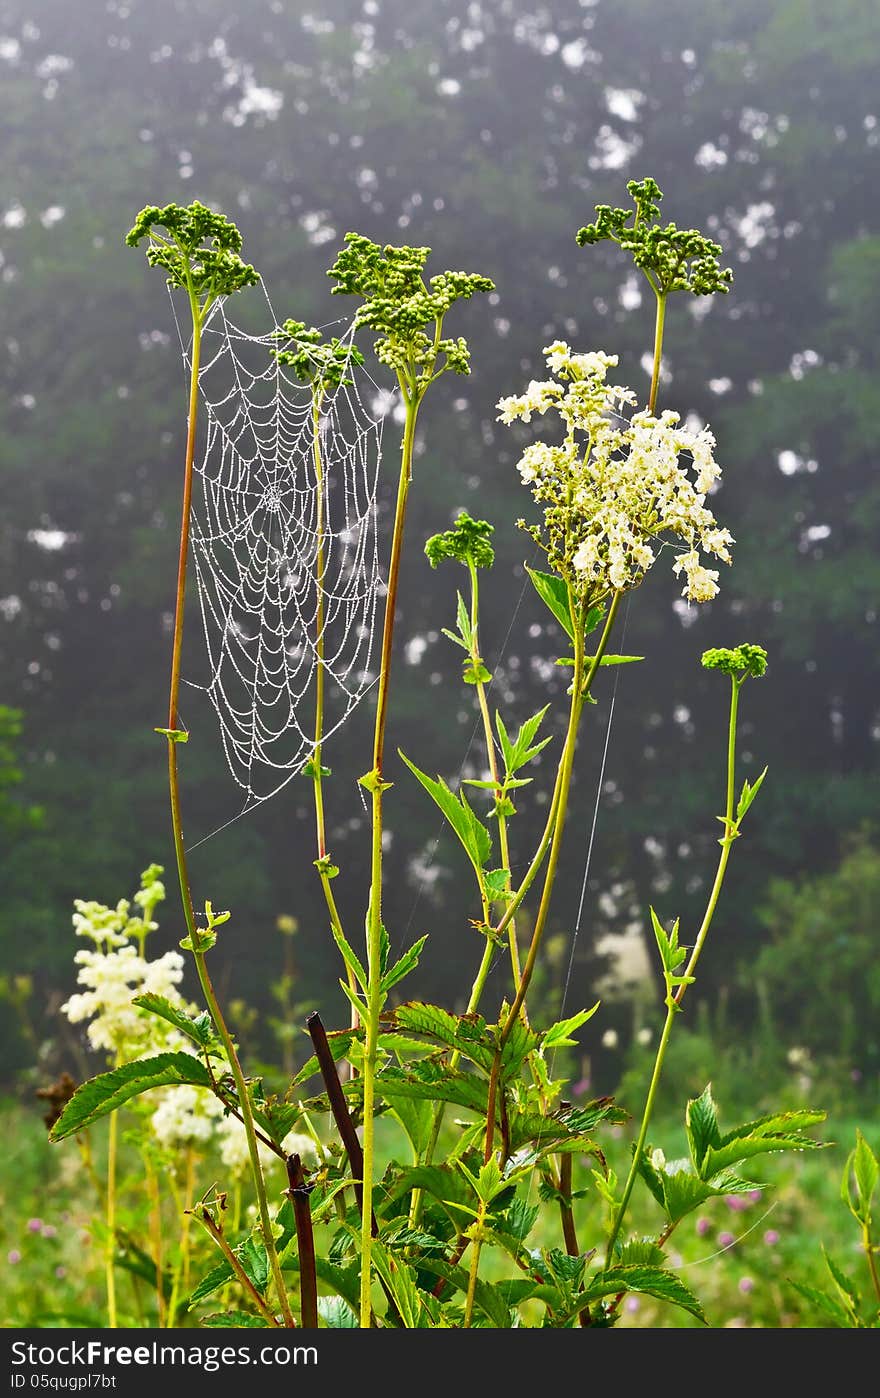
(308,1283)
(110,1220)
(658,349)
(374,922)
(581,685)
(317,773)
(198,313)
(673,1003)
(492,758)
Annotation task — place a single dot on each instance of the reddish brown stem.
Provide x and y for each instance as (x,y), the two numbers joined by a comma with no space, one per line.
(298,1193)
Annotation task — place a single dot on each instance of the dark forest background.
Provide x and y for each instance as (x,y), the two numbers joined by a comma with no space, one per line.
(487,131)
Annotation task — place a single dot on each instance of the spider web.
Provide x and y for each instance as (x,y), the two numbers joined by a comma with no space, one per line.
(254,536)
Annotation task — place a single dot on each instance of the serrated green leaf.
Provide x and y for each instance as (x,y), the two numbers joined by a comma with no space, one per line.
(445,1184)
(199,1029)
(640,1252)
(749,1146)
(592,619)
(489,1298)
(824,1303)
(404,965)
(277,1118)
(344,1280)
(336,1313)
(442,1085)
(748,794)
(671,954)
(217,1277)
(340,1041)
(354,999)
(553,592)
(557,1036)
(474,836)
(496,884)
(463,622)
(683,1192)
(254,1259)
(510,784)
(507,748)
(701,1124)
(849,1296)
(866,1171)
(652,1177)
(422,1018)
(417,1119)
(521,1041)
(647,1281)
(237,1320)
(452,637)
(606,659)
(400,1279)
(523,746)
(109,1091)
(786,1123)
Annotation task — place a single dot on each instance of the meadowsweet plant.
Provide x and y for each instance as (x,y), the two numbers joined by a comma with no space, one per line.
(500,1160)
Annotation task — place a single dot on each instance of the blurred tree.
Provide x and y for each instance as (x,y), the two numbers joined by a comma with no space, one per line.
(489,134)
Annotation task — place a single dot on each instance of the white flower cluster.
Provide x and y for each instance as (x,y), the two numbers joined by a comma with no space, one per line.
(232,1140)
(186,1116)
(617,486)
(116,970)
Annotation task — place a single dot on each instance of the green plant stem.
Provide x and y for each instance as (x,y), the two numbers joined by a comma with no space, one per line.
(870,1250)
(203,1216)
(317,776)
(177,827)
(110,1219)
(580,689)
(730,834)
(374,924)
(658,349)
(566,1214)
(673,1003)
(180,1280)
(492,757)
(417,1199)
(474,1270)
(152,1179)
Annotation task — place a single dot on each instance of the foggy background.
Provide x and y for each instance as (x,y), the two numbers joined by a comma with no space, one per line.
(488,132)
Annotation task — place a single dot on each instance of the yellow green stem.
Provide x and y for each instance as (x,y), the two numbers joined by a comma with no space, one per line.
(658,350)
(580,690)
(317,776)
(673,1003)
(492,758)
(374,918)
(110,1246)
(474,1271)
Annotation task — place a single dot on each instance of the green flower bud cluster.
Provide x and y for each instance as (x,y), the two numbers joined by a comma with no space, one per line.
(200,253)
(672,258)
(468,540)
(745,660)
(314,360)
(406,311)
